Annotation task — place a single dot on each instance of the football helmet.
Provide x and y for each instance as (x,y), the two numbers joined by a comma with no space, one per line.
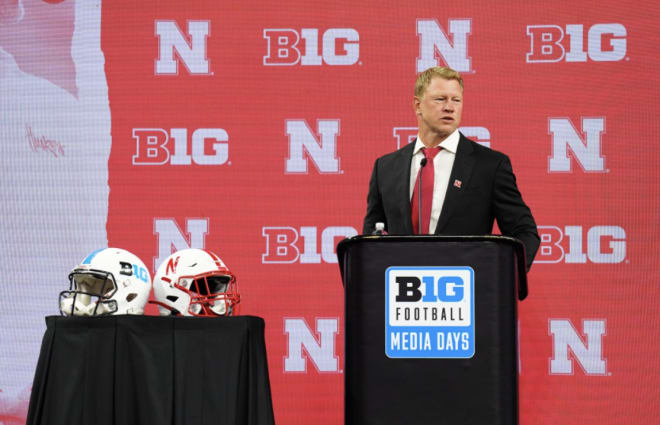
(195,282)
(108,281)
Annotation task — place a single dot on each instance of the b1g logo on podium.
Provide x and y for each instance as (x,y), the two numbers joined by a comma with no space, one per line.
(429,312)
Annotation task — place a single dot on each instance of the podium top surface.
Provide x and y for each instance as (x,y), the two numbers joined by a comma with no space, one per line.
(346,245)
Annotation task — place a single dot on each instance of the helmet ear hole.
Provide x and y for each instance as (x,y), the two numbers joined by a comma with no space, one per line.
(130,297)
(172,298)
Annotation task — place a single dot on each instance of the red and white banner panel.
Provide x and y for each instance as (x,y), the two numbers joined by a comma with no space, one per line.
(250,129)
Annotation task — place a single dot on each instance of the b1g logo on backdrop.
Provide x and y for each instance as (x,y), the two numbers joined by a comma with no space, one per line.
(429,312)
(284,244)
(604,245)
(210,146)
(339,46)
(605,43)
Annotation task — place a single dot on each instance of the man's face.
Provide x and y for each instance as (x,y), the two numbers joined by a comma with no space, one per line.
(439,109)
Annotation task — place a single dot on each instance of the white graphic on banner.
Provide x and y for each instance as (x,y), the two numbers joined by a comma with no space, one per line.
(587,354)
(171,239)
(605,244)
(405,135)
(547,43)
(319,345)
(54,149)
(587,152)
(321,150)
(433,39)
(283,246)
(192,54)
(285,49)
(152,146)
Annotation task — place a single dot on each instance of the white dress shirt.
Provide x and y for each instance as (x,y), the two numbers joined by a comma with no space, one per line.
(442,163)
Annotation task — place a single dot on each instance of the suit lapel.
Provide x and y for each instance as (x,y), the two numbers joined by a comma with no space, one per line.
(460,176)
(402,187)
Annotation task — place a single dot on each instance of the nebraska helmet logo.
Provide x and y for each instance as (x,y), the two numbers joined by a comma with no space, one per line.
(171,265)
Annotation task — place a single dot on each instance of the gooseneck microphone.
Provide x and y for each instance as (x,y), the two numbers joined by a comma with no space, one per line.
(419,198)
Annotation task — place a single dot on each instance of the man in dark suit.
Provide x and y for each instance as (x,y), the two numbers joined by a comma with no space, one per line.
(464,186)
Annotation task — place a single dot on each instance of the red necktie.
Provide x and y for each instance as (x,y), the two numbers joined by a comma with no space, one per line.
(427,174)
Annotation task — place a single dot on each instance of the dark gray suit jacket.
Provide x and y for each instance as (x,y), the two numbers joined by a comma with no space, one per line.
(487,192)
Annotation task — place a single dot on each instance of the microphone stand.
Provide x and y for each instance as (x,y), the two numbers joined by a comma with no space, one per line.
(422,164)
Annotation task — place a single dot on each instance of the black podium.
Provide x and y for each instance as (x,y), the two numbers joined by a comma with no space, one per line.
(431,329)
(125,370)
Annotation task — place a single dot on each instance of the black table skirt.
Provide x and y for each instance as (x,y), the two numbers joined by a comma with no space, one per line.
(150,370)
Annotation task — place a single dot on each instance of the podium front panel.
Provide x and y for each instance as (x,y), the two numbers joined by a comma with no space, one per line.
(481,389)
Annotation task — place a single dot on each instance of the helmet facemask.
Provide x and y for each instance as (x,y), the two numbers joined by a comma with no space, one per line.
(211,294)
(89,294)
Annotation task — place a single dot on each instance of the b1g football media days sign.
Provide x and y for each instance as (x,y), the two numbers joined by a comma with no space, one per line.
(429,312)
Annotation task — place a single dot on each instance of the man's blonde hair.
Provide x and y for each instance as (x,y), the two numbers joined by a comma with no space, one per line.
(424,79)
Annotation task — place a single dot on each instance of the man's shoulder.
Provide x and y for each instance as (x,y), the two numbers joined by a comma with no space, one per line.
(479,150)
(391,157)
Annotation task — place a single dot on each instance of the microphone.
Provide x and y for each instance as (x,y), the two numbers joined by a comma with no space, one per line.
(422,164)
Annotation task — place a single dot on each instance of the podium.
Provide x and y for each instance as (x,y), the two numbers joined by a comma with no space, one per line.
(431,329)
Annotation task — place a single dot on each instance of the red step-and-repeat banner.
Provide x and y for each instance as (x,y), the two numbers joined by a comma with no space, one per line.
(250,129)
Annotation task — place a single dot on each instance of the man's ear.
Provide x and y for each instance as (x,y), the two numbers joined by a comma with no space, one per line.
(416,105)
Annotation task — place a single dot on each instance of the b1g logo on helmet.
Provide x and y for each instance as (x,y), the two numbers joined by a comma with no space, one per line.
(429,312)
(605,43)
(339,46)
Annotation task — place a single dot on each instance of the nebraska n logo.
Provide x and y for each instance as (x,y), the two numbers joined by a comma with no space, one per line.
(322,150)
(586,150)
(191,53)
(434,44)
(171,265)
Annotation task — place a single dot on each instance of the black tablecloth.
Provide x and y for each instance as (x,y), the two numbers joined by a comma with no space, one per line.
(150,370)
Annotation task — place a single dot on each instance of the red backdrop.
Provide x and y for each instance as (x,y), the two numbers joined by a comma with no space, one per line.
(250,129)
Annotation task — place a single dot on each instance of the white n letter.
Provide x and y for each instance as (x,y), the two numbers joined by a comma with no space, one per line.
(171,239)
(587,152)
(589,356)
(193,54)
(321,353)
(433,39)
(323,153)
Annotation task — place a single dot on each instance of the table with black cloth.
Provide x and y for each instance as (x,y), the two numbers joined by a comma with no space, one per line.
(151,370)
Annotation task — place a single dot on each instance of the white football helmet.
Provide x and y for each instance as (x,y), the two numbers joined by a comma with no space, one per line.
(195,282)
(108,281)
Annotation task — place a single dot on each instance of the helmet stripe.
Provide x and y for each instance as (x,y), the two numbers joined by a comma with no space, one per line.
(214,258)
(91,256)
